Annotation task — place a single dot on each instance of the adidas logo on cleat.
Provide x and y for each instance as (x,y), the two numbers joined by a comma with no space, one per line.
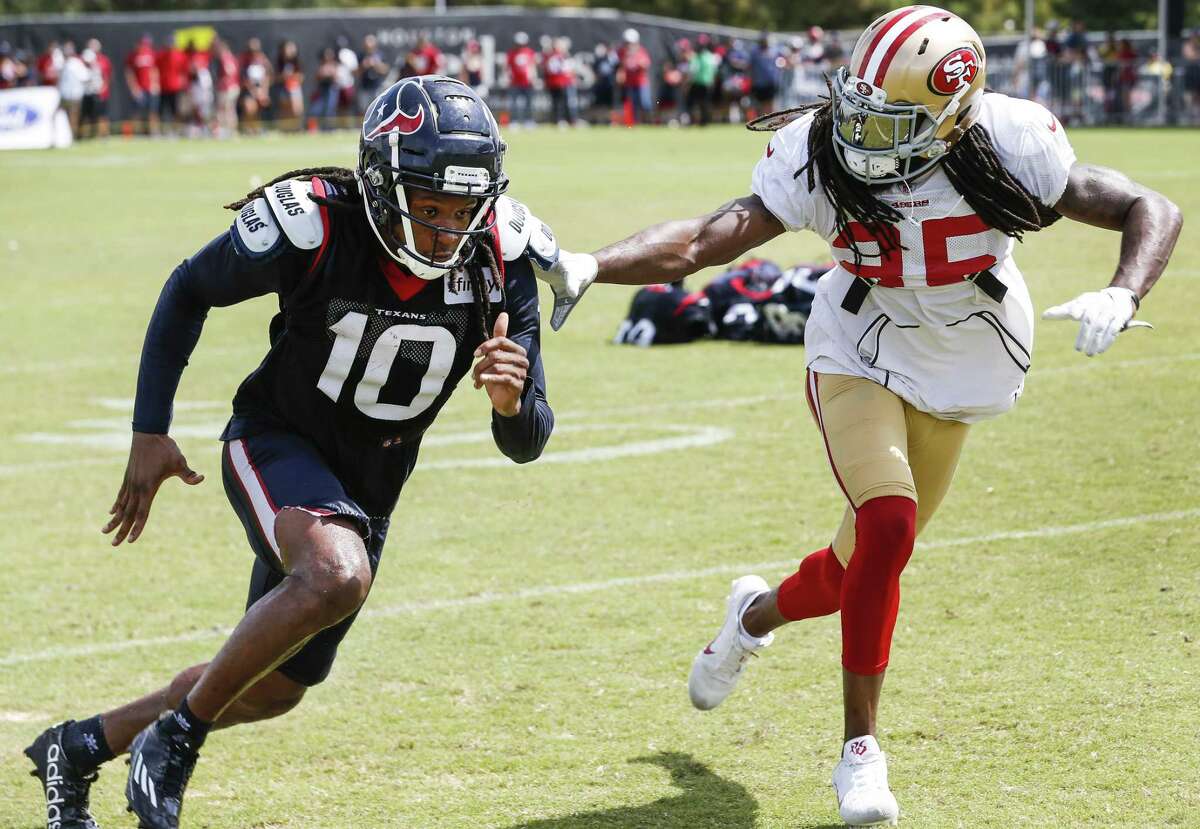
(54,798)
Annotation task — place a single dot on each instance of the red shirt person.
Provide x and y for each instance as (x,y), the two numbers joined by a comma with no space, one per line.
(558,68)
(424,59)
(172,69)
(141,69)
(522,63)
(49,64)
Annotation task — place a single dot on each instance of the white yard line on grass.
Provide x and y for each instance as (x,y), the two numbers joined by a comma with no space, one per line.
(118,444)
(552,590)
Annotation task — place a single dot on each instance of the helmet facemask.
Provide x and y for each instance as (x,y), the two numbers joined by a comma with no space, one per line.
(387,206)
(883,143)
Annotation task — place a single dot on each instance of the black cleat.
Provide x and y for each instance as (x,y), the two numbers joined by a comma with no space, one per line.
(160,765)
(65,787)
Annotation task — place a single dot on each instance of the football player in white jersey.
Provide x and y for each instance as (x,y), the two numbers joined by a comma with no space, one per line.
(920,181)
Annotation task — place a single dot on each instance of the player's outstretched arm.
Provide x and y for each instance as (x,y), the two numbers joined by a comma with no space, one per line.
(672,250)
(662,253)
(1149,224)
(216,276)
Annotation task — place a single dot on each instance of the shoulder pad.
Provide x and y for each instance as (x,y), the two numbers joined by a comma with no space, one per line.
(524,234)
(513,225)
(298,216)
(255,233)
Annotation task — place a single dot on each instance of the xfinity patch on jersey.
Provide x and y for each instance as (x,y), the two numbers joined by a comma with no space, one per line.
(469,180)
(256,234)
(458,287)
(297,214)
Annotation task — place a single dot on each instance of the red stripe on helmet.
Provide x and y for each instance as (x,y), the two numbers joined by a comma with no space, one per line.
(883,30)
(886,63)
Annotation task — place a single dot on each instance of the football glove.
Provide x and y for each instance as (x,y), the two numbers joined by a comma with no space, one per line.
(568,275)
(1101,315)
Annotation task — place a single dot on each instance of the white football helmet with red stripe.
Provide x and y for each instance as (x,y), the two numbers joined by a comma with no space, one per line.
(910,92)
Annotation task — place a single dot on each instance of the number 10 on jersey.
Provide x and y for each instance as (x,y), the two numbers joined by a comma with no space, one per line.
(349,332)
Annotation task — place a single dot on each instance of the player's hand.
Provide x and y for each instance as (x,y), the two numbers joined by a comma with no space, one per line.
(152,459)
(569,275)
(502,369)
(1101,315)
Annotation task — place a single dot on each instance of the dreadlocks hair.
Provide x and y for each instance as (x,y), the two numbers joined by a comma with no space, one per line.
(340,176)
(348,186)
(971,165)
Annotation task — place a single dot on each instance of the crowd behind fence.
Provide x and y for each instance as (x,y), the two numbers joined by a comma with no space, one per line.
(210,89)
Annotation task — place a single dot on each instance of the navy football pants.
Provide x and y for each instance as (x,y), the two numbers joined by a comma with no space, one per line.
(272,471)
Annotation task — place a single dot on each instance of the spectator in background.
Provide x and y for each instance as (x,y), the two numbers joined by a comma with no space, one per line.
(735,80)
(346,76)
(325,95)
(835,55)
(424,59)
(256,84)
(72,84)
(1075,58)
(1109,70)
(604,83)
(228,84)
(50,64)
(1127,58)
(200,89)
(672,83)
(471,70)
(289,94)
(522,69)
(1190,53)
(634,76)
(372,69)
(10,68)
(814,50)
(765,74)
(1076,40)
(141,76)
(702,74)
(791,74)
(1161,71)
(172,81)
(93,112)
(559,70)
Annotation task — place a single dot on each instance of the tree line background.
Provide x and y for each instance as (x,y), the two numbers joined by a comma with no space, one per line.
(989,16)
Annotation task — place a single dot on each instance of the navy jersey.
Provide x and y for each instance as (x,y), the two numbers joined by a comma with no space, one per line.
(363,355)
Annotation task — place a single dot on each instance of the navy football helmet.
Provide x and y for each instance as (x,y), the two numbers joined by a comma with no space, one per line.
(433,133)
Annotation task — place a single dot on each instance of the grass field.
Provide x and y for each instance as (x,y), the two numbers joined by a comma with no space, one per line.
(523,657)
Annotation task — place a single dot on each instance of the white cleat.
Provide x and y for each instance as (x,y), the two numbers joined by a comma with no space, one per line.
(861,784)
(717,667)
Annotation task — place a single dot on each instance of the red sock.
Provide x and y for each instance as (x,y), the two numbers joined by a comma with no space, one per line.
(813,590)
(885,529)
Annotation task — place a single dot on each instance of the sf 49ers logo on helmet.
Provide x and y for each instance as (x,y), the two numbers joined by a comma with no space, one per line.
(955,72)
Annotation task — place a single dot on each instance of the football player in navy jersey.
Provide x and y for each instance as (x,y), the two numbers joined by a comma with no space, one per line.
(391,278)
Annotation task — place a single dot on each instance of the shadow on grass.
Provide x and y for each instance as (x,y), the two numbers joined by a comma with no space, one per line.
(706,800)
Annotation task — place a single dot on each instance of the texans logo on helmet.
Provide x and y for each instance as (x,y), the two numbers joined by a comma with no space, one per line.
(401,121)
(955,72)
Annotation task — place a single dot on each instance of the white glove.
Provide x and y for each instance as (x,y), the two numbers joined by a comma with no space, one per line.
(569,275)
(1102,315)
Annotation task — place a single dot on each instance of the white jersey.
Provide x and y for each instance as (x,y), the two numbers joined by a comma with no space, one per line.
(925,331)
